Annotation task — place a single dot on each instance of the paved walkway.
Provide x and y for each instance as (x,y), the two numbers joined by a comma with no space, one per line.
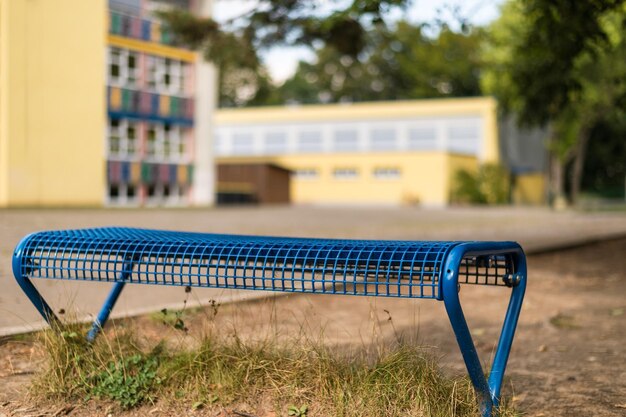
(535,229)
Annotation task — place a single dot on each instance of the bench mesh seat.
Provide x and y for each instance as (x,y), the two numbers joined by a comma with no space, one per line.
(358,267)
(384,268)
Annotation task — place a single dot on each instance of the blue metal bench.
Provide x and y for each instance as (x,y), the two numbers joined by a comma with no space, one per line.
(402,269)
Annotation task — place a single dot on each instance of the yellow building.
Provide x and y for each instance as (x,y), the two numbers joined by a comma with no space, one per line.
(368,153)
(97,107)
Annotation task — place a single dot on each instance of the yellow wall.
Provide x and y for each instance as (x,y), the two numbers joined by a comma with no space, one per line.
(425,177)
(529,189)
(52,102)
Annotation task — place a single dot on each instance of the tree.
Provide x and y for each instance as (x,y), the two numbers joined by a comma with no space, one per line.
(360,56)
(605,171)
(399,63)
(234,45)
(559,63)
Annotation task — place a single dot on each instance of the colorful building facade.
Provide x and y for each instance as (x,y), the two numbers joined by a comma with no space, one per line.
(390,153)
(98,107)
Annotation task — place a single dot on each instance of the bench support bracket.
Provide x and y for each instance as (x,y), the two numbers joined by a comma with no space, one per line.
(487,389)
(106,309)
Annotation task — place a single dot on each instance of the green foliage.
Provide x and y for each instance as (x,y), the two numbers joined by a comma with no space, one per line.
(467,189)
(359,56)
(489,185)
(605,170)
(128,381)
(235,43)
(403,63)
(298,411)
(535,50)
(560,63)
(171,318)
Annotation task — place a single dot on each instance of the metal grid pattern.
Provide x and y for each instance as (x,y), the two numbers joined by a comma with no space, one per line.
(486,270)
(359,267)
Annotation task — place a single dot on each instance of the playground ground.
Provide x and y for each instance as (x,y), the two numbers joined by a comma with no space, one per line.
(569,354)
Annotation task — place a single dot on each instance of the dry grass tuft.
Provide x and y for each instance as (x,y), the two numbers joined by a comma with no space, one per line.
(296,377)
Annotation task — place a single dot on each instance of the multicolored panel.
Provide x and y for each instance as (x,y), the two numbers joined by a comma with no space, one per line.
(146,30)
(164,173)
(189,174)
(125,172)
(114,172)
(115,98)
(135,172)
(148,173)
(173,174)
(182,174)
(164,106)
(189,108)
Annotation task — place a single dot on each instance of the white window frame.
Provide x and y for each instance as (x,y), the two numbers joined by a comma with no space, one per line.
(306,174)
(387,173)
(171,138)
(122,133)
(128,77)
(159,68)
(346,174)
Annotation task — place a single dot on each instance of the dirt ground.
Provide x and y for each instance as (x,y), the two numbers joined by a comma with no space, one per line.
(568,359)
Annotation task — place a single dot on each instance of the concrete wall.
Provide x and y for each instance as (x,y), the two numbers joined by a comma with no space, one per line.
(52,102)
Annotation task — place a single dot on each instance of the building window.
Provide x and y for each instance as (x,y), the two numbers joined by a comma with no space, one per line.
(123,193)
(114,191)
(275,142)
(168,135)
(306,173)
(386,173)
(346,140)
(152,140)
(166,142)
(131,139)
(383,139)
(166,75)
(123,138)
(309,141)
(123,67)
(345,173)
(463,136)
(422,138)
(242,143)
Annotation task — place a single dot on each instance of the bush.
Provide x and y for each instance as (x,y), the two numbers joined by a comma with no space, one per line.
(489,185)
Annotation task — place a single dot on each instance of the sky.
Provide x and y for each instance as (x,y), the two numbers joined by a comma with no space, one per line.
(282,61)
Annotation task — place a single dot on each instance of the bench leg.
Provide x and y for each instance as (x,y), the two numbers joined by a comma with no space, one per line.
(105,311)
(487,390)
(468,350)
(508,332)
(38,301)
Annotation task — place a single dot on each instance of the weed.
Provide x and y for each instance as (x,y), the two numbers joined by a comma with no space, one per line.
(128,381)
(297,411)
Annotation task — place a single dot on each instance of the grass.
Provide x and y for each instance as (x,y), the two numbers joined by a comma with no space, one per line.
(290,377)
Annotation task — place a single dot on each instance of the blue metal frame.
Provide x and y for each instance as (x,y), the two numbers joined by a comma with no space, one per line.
(488,390)
(402,269)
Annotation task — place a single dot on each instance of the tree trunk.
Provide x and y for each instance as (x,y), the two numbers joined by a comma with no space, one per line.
(576,175)
(557,185)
